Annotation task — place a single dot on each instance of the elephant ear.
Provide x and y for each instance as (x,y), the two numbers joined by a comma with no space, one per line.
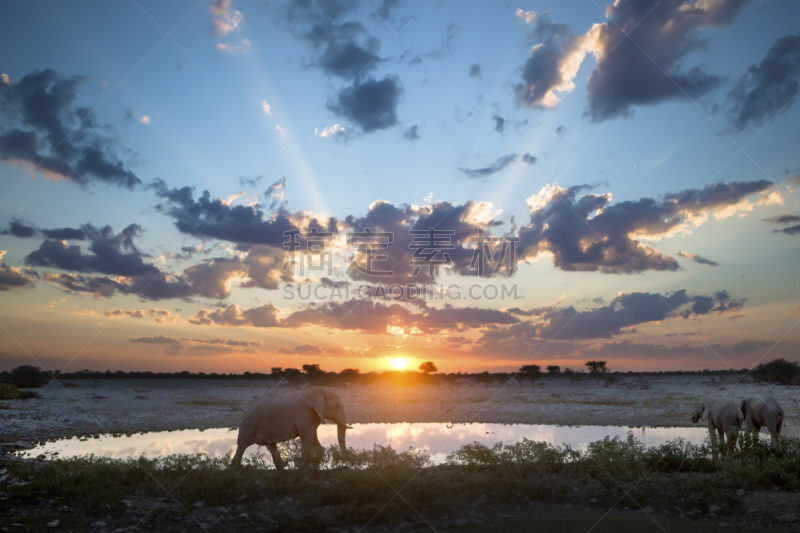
(315,398)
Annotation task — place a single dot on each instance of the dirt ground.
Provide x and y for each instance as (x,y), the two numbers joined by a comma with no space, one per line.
(129,406)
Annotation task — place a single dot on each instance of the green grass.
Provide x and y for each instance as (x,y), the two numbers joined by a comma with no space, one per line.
(615,472)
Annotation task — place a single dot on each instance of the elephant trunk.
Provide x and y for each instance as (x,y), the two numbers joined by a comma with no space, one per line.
(342,430)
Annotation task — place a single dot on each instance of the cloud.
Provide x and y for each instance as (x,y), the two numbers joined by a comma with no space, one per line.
(17,228)
(266,107)
(589,233)
(65,234)
(157,287)
(14,278)
(335,131)
(622,314)
(113,254)
(156,339)
(639,54)
(783,219)
(241,48)
(370,104)
(769,87)
(499,123)
(528,158)
(475,71)
(235,315)
(411,133)
(144,119)
(39,114)
(5,79)
(495,167)
(160,316)
(223,21)
(697,258)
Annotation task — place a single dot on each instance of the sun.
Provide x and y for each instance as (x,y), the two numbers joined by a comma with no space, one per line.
(399,363)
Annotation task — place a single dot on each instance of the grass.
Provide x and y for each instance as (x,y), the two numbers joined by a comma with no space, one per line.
(614,472)
(12,392)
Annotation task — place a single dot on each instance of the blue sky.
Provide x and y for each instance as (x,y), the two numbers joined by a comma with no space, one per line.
(190,108)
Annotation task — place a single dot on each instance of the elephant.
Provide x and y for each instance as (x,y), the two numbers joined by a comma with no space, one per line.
(759,412)
(274,420)
(726,418)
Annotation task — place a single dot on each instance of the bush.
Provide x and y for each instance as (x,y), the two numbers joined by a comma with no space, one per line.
(778,371)
(12,392)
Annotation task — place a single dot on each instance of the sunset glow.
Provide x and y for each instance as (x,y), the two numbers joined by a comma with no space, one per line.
(399,363)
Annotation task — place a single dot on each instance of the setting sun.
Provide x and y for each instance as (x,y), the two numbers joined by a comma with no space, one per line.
(399,363)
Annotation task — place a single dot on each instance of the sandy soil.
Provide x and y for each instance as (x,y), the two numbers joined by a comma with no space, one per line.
(129,406)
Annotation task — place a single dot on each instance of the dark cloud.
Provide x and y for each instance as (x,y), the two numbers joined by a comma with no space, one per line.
(475,71)
(384,11)
(783,219)
(495,167)
(215,218)
(17,228)
(411,133)
(65,234)
(39,115)
(697,258)
(769,87)
(588,233)
(15,278)
(113,254)
(791,230)
(251,183)
(156,287)
(561,130)
(640,53)
(265,316)
(156,339)
(370,104)
(528,158)
(499,123)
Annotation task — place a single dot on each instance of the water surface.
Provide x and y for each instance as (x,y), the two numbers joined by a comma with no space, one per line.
(437,440)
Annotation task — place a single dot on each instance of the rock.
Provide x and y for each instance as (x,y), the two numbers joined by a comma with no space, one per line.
(714,508)
(198,504)
(751,510)
(504,516)
(98,525)
(740,493)
(54,523)
(127,503)
(483,499)
(789,518)
(224,510)
(461,522)
(568,507)
(647,509)
(244,516)
(593,501)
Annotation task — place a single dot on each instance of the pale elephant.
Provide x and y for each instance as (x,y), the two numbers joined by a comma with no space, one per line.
(725,418)
(299,414)
(758,412)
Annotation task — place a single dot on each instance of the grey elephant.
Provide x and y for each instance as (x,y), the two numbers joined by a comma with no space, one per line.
(725,418)
(758,412)
(274,420)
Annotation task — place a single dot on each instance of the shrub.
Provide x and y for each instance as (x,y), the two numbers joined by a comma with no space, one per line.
(778,371)
(27,377)
(12,392)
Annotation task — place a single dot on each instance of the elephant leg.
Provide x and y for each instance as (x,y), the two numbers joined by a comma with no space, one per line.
(733,436)
(312,449)
(237,458)
(276,456)
(722,444)
(713,438)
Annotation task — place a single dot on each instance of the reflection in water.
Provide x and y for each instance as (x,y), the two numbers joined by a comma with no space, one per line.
(437,440)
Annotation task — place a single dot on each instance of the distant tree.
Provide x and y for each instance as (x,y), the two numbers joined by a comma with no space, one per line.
(276,371)
(530,372)
(349,375)
(29,377)
(428,367)
(553,370)
(597,368)
(312,370)
(778,371)
(484,377)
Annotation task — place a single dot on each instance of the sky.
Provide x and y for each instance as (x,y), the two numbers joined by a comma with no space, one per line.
(235,186)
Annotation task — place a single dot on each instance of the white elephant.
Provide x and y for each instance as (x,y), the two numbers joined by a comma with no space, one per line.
(759,412)
(725,418)
(279,419)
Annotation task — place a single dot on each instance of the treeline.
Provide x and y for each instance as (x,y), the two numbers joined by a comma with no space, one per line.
(776,371)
